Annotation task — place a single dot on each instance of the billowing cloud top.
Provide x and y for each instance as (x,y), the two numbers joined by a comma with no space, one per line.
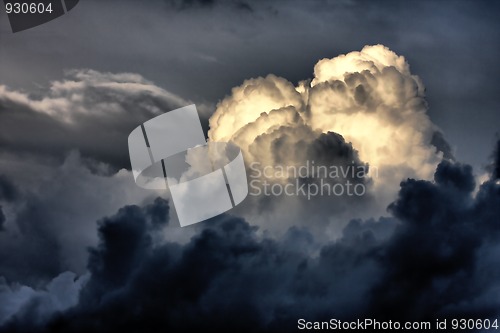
(370,98)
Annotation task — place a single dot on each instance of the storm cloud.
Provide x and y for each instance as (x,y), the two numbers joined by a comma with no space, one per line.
(434,258)
(8,193)
(50,215)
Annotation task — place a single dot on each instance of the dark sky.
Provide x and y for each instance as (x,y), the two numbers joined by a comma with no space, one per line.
(83,249)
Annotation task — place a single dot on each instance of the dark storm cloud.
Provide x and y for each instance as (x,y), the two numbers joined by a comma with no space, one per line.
(125,237)
(8,193)
(441,260)
(51,222)
(2,219)
(34,254)
(35,249)
(494,167)
(125,242)
(436,258)
(225,278)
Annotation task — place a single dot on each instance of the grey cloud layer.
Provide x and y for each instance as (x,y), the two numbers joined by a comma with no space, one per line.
(49,223)
(90,111)
(8,193)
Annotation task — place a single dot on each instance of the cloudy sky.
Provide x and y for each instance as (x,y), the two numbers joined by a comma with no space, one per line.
(201,49)
(408,89)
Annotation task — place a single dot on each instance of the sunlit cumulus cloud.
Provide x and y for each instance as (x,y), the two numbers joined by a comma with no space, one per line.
(370,98)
